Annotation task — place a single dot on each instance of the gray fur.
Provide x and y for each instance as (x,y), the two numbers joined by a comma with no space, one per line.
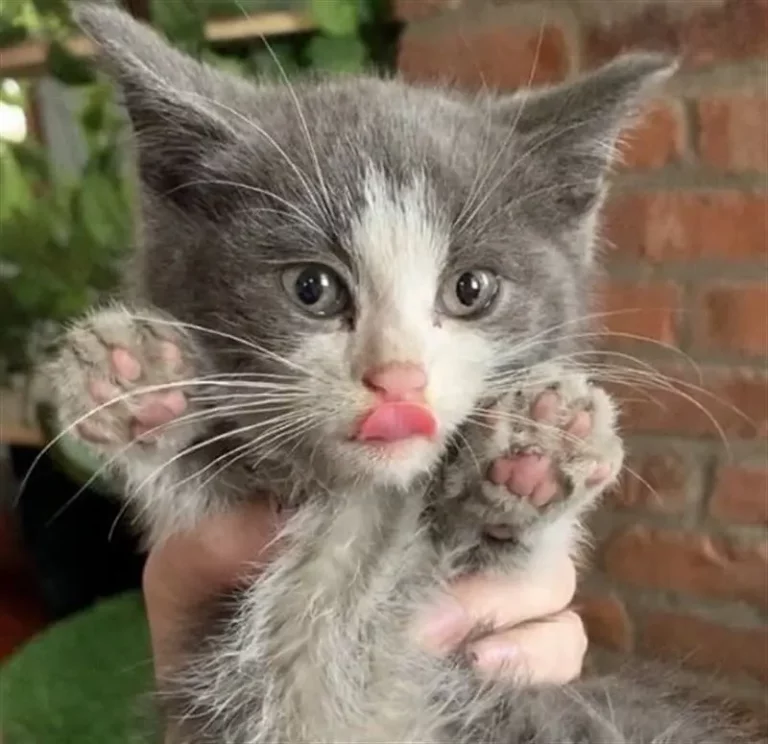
(392,186)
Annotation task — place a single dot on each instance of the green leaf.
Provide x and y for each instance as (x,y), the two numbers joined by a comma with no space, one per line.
(372,11)
(95,113)
(227,64)
(56,8)
(66,67)
(182,21)
(14,186)
(337,54)
(336,17)
(11,33)
(223,8)
(282,58)
(95,205)
(31,159)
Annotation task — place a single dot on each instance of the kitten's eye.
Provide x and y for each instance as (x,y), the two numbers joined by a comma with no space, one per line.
(469,293)
(316,289)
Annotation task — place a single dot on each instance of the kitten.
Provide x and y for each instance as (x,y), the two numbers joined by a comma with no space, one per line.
(366,298)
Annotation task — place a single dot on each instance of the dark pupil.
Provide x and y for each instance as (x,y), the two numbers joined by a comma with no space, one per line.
(468,288)
(310,285)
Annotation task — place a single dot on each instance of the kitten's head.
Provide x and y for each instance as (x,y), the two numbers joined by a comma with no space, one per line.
(386,255)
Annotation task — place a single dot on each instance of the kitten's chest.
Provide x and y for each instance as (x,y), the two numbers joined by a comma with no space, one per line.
(340,623)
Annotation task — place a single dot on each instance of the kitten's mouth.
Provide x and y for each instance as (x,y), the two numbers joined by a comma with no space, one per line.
(396,421)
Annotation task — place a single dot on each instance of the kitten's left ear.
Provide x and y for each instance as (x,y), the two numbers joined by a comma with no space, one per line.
(572,129)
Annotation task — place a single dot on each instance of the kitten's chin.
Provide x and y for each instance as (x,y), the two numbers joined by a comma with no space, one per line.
(395,463)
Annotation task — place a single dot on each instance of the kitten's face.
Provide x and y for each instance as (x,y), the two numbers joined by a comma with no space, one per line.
(388,255)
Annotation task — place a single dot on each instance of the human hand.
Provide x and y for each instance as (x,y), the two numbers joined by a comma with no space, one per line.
(538,639)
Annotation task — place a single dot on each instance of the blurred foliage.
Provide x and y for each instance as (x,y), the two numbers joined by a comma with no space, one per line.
(62,236)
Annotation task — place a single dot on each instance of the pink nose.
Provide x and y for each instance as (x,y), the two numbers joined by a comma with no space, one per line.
(397,381)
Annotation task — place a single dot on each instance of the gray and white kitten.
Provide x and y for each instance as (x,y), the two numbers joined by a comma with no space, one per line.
(310,253)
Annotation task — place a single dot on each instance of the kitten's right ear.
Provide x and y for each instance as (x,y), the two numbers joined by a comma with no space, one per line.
(170,97)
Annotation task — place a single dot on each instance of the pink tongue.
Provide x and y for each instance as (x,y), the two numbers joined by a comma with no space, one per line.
(391,422)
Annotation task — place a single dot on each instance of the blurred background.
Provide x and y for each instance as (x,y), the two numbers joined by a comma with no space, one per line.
(680,565)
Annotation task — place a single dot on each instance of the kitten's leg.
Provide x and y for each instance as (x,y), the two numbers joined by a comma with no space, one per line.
(545,453)
(121,386)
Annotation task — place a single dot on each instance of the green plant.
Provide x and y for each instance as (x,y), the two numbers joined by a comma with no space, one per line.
(62,236)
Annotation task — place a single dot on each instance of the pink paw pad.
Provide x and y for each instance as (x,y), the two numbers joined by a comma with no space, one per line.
(531,475)
(527,475)
(103,392)
(545,408)
(171,354)
(125,364)
(156,411)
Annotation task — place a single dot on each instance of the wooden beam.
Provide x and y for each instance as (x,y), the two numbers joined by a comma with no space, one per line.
(28,59)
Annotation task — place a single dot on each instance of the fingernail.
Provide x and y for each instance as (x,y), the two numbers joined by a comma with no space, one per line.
(496,656)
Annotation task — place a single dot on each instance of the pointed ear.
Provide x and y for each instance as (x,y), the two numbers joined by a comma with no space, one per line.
(572,129)
(170,98)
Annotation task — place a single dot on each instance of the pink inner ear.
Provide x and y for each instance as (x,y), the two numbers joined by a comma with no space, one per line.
(391,422)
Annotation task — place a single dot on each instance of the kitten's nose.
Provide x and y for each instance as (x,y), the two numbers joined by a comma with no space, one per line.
(397,381)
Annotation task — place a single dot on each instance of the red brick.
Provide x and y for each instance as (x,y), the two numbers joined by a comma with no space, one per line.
(657,139)
(493,55)
(606,621)
(688,563)
(741,495)
(733,317)
(733,399)
(674,226)
(648,311)
(733,132)
(659,482)
(731,30)
(702,644)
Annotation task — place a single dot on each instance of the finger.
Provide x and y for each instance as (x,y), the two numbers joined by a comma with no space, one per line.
(549,651)
(187,568)
(498,602)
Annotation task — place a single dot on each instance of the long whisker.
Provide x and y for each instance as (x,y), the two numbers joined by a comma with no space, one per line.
(205,443)
(541,338)
(160,387)
(278,424)
(655,379)
(555,134)
(461,224)
(478,467)
(306,220)
(248,344)
(196,417)
(261,131)
(303,121)
(277,435)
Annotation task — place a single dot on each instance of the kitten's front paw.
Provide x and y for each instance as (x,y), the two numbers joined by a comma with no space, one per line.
(117,382)
(554,449)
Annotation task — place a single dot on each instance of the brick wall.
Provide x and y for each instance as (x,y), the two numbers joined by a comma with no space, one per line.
(681,557)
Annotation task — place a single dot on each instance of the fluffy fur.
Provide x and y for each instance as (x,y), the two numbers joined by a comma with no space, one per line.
(397,189)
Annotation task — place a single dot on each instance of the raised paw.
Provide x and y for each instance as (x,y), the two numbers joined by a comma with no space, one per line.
(554,448)
(530,473)
(119,380)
